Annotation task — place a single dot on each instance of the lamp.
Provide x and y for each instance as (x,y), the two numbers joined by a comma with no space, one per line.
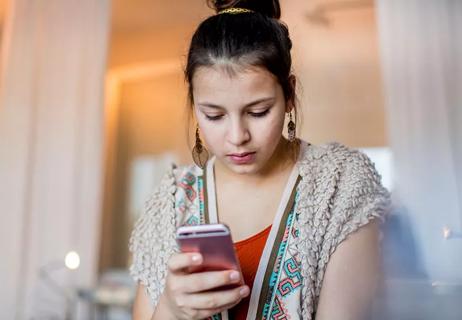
(448,233)
(72,260)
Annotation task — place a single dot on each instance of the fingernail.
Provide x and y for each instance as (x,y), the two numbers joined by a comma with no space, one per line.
(196,258)
(244,291)
(234,275)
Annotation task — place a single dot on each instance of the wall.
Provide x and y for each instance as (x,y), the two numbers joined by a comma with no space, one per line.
(151,118)
(337,62)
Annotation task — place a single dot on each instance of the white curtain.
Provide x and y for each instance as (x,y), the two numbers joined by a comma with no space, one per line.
(51,141)
(421,48)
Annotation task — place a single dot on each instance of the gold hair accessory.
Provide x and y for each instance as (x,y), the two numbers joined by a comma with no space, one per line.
(235,11)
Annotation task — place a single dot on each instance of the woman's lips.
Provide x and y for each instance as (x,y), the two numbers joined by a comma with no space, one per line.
(242,158)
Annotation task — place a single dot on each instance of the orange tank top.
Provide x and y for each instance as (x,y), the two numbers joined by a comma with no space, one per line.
(249,252)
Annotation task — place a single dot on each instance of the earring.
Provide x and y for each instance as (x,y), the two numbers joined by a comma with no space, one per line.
(200,155)
(291,128)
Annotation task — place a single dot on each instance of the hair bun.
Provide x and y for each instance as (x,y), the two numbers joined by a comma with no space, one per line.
(270,8)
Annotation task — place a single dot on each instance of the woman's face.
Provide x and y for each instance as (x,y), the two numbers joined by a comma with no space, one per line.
(241,116)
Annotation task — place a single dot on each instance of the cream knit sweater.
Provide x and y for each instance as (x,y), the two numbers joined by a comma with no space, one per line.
(339,192)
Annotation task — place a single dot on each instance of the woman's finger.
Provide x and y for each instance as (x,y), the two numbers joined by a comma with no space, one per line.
(204,281)
(213,300)
(191,313)
(180,261)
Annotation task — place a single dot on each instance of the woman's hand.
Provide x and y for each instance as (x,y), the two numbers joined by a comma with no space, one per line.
(188,296)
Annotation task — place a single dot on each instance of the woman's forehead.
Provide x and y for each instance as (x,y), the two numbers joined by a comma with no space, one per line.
(217,80)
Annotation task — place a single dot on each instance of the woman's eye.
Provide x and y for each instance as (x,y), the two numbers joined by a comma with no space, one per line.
(213,118)
(259,114)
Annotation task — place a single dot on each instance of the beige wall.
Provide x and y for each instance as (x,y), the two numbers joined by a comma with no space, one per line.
(160,125)
(151,120)
(339,72)
(150,45)
(339,89)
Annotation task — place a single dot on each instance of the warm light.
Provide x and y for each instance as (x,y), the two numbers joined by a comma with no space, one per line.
(72,260)
(447,232)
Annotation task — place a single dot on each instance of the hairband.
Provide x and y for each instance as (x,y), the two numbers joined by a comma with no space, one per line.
(235,11)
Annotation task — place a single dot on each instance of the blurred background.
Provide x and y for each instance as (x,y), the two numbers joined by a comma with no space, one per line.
(93,110)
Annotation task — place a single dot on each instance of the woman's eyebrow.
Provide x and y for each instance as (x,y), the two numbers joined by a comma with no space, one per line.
(214,106)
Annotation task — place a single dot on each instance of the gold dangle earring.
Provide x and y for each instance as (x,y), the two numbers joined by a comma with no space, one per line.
(291,128)
(200,154)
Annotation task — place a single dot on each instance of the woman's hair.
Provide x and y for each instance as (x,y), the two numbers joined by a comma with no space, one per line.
(243,40)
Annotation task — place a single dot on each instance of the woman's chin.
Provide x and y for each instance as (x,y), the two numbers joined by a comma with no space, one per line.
(247,169)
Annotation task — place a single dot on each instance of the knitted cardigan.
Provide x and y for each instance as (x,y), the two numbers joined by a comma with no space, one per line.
(340,191)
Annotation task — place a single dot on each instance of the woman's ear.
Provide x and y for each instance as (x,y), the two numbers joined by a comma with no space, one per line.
(291,101)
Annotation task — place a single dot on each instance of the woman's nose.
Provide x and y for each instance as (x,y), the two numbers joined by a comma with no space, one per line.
(238,133)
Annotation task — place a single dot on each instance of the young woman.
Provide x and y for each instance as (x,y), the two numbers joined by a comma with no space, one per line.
(302,216)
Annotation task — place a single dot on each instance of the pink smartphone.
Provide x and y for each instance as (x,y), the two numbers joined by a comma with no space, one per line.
(215,244)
